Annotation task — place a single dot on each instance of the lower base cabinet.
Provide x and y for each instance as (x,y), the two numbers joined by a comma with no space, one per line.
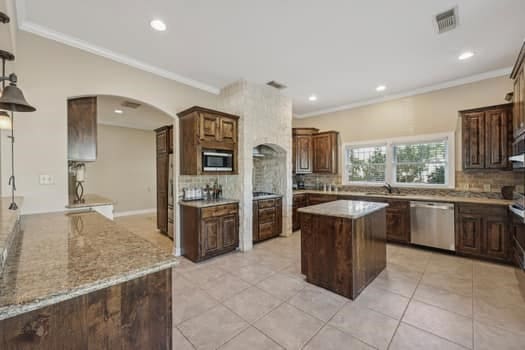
(267,218)
(299,201)
(209,231)
(398,221)
(483,231)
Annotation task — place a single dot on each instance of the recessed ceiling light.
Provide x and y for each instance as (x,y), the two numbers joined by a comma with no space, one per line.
(466,55)
(119,111)
(157,24)
(381,88)
(312,98)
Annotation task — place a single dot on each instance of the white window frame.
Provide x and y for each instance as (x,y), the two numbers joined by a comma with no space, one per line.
(450,172)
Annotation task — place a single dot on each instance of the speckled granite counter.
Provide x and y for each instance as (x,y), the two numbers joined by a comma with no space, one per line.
(430,198)
(8,226)
(208,203)
(59,256)
(90,200)
(344,209)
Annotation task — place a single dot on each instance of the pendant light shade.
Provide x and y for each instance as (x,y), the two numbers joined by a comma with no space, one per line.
(5,121)
(13,99)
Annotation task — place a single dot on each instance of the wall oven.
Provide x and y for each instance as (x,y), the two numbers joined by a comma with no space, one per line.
(217,160)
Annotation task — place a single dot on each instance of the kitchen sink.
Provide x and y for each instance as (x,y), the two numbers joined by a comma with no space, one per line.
(384,194)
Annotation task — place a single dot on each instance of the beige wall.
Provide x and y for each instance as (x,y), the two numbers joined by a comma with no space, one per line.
(49,73)
(429,113)
(125,168)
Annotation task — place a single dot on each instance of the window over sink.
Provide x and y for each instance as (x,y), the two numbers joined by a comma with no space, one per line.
(417,161)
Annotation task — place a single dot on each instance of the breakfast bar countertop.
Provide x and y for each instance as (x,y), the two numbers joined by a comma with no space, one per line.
(90,200)
(344,208)
(59,256)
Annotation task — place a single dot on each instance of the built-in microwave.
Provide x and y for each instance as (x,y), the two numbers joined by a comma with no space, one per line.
(217,160)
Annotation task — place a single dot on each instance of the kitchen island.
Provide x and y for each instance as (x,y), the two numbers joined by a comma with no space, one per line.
(343,245)
(80,281)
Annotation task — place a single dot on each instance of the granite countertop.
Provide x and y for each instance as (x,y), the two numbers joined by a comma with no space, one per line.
(344,209)
(416,197)
(208,203)
(59,256)
(8,222)
(90,200)
(268,196)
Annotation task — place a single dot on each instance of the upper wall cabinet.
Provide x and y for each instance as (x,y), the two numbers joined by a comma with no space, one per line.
(487,137)
(82,129)
(205,129)
(518,74)
(325,152)
(302,155)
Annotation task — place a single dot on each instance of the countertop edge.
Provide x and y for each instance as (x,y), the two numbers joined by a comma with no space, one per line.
(18,309)
(202,204)
(309,210)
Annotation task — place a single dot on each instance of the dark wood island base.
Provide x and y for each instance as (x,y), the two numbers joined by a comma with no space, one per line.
(343,254)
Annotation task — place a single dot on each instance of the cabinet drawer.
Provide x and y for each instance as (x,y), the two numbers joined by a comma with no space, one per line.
(299,199)
(266,215)
(219,210)
(483,209)
(266,203)
(266,230)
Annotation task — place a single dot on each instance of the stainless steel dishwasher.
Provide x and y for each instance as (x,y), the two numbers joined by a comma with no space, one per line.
(432,224)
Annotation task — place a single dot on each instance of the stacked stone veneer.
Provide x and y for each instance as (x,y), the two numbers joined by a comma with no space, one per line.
(269,170)
(265,118)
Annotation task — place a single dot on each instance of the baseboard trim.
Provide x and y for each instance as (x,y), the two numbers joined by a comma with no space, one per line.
(178,252)
(135,212)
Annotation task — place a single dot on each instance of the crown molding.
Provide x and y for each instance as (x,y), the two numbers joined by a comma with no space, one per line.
(28,26)
(423,90)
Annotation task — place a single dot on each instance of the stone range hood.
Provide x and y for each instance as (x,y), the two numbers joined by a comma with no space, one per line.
(265,119)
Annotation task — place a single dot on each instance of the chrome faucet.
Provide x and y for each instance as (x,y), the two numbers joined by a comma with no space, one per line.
(388,187)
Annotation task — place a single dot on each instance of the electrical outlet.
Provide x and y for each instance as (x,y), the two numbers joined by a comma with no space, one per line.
(487,187)
(46,179)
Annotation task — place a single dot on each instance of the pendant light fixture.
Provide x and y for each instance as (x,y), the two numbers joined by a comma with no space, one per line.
(12,100)
(5,121)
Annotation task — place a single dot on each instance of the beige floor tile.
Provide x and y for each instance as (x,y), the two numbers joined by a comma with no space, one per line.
(225,287)
(396,282)
(383,301)
(500,295)
(293,270)
(253,273)
(203,275)
(179,342)
(489,338)
(444,299)
(289,327)
(510,317)
(190,302)
(451,267)
(252,303)
(213,328)
(251,339)
(413,263)
(365,324)
(318,302)
(281,286)
(445,324)
(454,284)
(145,226)
(331,338)
(411,338)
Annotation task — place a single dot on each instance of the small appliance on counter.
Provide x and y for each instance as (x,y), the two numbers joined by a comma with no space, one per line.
(207,193)
(300,182)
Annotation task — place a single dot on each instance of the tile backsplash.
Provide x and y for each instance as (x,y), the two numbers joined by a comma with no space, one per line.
(483,183)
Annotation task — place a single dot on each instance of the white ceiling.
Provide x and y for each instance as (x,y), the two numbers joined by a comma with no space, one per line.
(339,50)
(144,117)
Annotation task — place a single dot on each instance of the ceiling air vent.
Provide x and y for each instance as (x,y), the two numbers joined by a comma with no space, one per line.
(447,20)
(130,104)
(276,85)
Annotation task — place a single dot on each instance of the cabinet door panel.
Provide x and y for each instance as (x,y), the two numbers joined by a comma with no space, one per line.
(496,238)
(209,127)
(304,156)
(278,217)
(398,222)
(469,233)
(162,192)
(473,128)
(230,236)
(228,130)
(496,139)
(211,235)
(266,230)
(325,153)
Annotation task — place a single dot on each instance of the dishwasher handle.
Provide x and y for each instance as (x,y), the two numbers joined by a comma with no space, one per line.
(428,205)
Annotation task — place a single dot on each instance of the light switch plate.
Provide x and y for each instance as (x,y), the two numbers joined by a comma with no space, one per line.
(487,187)
(45,179)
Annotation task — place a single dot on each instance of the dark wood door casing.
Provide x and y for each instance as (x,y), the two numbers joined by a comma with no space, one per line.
(82,129)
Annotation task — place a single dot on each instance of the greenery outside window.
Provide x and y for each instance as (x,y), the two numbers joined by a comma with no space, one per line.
(418,161)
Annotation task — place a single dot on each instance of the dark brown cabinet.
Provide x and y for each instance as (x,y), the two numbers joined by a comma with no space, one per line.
(483,231)
(315,198)
(487,138)
(302,156)
(518,74)
(206,129)
(82,129)
(267,218)
(325,152)
(299,201)
(209,231)
(164,147)
(398,221)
